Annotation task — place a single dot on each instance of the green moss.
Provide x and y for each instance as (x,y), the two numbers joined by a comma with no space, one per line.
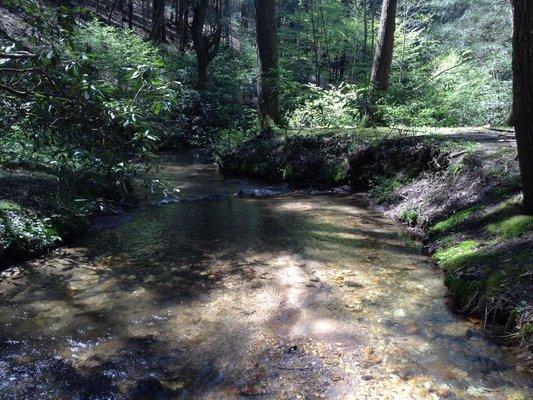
(453,257)
(408,215)
(452,221)
(512,227)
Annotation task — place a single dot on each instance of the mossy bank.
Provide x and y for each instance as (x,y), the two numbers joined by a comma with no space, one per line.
(34,217)
(459,190)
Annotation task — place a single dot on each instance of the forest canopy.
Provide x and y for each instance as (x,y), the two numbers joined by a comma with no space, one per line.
(95,87)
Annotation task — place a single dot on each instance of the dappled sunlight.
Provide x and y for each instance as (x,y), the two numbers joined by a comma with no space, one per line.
(288,295)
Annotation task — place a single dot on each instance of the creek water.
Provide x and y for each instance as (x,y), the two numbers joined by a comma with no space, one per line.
(219,297)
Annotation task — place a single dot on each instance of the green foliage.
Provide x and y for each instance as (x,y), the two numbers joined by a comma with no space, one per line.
(450,91)
(228,102)
(23,231)
(455,256)
(97,94)
(383,189)
(229,139)
(340,171)
(408,215)
(338,106)
(526,330)
(436,79)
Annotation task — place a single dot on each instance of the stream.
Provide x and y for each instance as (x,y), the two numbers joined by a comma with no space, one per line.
(296,296)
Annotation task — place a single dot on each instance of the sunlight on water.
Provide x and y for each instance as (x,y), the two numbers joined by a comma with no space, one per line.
(215,298)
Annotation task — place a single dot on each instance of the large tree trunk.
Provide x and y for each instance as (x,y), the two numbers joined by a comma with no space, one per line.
(383,55)
(206,48)
(522,115)
(157,33)
(267,51)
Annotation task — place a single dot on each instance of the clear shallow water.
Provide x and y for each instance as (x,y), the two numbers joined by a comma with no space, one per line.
(289,297)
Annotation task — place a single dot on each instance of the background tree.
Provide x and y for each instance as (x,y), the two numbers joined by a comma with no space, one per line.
(205,46)
(522,116)
(385,45)
(158,31)
(267,51)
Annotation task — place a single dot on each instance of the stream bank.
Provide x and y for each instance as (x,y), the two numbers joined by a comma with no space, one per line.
(35,216)
(224,296)
(459,191)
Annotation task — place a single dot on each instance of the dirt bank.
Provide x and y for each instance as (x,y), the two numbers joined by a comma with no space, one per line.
(460,191)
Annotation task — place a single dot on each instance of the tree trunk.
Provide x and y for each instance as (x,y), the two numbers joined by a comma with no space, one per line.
(197,27)
(383,55)
(244,14)
(157,33)
(314,31)
(267,51)
(365,35)
(206,48)
(111,12)
(183,25)
(522,115)
(122,13)
(373,22)
(226,12)
(130,14)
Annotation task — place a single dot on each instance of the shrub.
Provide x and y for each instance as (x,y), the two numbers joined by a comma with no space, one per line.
(338,106)
(97,96)
(23,231)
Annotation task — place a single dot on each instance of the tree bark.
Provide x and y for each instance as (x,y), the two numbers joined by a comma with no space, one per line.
(206,48)
(184,25)
(365,34)
(226,12)
(383,55)
(244,14)
(522,114)
(267,51)
(130,14)
(157,32)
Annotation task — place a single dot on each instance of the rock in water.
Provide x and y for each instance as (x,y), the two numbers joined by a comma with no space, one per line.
(168,199)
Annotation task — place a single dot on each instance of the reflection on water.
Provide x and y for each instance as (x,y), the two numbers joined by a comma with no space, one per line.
(282,298)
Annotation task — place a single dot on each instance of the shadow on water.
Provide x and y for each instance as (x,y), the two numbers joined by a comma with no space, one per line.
(274,298)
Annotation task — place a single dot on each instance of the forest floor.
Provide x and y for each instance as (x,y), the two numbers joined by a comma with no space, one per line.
(458,189)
